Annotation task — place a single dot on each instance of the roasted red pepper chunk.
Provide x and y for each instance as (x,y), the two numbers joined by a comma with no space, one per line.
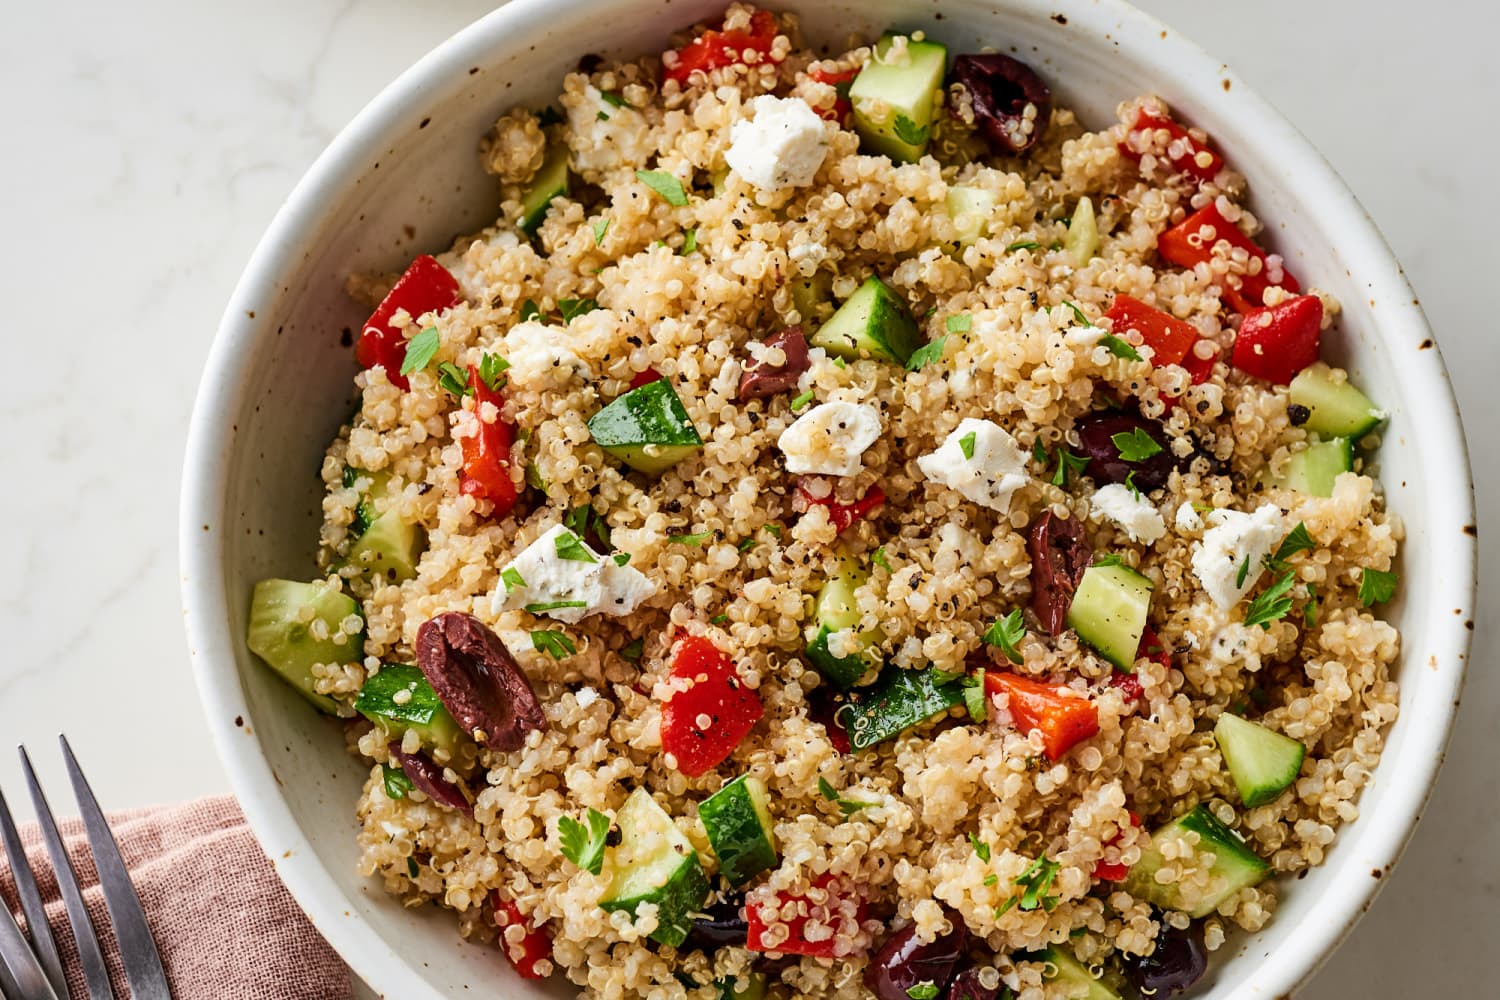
(1063,718)
(425,287)
(1169,338)
(841,515)
(1183,152)
(534,947)
(1276,342)
(717,48)
(486,453)
(1114,871)
(1189,244)
(710,710)
(842,106)
(645,378)
(780,921)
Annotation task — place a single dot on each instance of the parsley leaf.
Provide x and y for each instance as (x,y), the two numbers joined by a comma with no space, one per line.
(980,848)
(1005,633)
(511,577)
(453,378)
(583,519)
(827,790)
(1376,586)
(571,309)
(664,184)
(621,558)
(1310,609)
(909,131)
(992,879)
(1068,465)
(530,311)
(602,115)
(1297,540)
(1079,314)
(397,784)
(689,242)
(1035,882)
(633,649)
(880,560)
(1244,571)
(1272,604)
(553,642)
(1023,245)
(745,544)
(718,619)
(966,444)
(420,350)
(925,990)
(600,228)
(542,606)
(960,323)
(614,99)
(846,806)
(694,540)
(570,547)
(802,400)
(491,367)
(1039,453)
(1119,348)
(774,529)
(927,353)
(1135,491)
(1108,559)
(584,845)
(412,868)
(1135,445)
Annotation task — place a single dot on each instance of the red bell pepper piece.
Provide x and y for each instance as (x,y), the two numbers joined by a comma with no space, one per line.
(425,287)
(1276,342)
(716,48)
(645,378)
(524,954)
(823,709)
(1114,871)
(843,907)
(1169,338)
(1183,152)
(1199,369)
(1184,245)
(842,514)
(1063,718)
(839,82)
(486,471)
(701,725)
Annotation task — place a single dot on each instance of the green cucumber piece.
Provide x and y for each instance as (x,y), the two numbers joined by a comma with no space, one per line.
(873,322)
(646,428)
(810,296)
(421,710)
(837,609)
(976,701)
(1235,865)
(1109,612)
(277,633)
(737,819)
(389,548)
(1338,409)
(1082,241)
(752,987)
(364,511)
(1077,980)
(883,94)
(551,181)
(970,209)
(654,863)
(898,700)
(1313,470)
(1262,762)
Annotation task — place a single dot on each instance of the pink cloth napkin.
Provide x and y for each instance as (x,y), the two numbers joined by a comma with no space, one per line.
(226,927)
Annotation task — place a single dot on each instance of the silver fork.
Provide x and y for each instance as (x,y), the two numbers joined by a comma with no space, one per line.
(33,971)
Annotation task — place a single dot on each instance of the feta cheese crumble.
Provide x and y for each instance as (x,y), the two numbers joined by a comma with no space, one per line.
(539,356)
(1229,559)
(1131,511)
(558,575)
(1188,521)
(782,147)
(981,461)
(829,439)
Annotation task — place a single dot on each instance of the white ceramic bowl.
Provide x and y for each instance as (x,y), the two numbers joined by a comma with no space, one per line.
(404,177)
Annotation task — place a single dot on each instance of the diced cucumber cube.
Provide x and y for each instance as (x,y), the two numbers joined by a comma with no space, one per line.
(893,101)
(810,297)
(551,181)
(1337,408)
(1314,469)
(654,863)
(1109,611)
(737,819)
(1263,763)
(873,322)
(382,701)
(898,700)
(646,428)
(1079,982)
(970,209)
(1082,241)
(389,548)
(279,633)
(1235,866)
(835,610)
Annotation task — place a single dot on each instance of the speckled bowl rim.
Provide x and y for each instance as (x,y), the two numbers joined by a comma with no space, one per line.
(1347,892)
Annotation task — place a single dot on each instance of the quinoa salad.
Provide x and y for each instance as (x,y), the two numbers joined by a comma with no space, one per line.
(848,529)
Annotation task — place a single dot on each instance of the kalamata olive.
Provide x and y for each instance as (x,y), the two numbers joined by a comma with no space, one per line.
(478,680)
(428,776)
(1060,553)
(762,379)
(1179,961)
(823,706)
(1096,434)
(1012,105)
(966,986)
(723,925)
(903,961)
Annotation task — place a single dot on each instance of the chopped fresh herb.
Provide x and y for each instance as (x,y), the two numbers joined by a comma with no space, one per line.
(774,529)
(1376,586)
(664,184)
(1135,445)
(966,444)
(541,606)
(745,544)
(718,619)
(1109,559)
(827,790)
(411,867)
(912,134)
(534,477)
(452,378)
(980,848)
(570,547)
(1039,453)
(1273,604)
(846,806)
(927,353)
(511,577)
(1310,609)
(554,643)
(1005,633)
(601,115)
(926,989)
(694,540)
(584,845)
(992,879)
(571,309)
(880,560)
(549,116)
(1297,540)
(614,99)
(1035,881)
(491,367)
(1135,491)
(632,650)
(583,519)
(689,241)
(1068,465)
(1023,245)
(397,784)
(1119,348)
(530,311)
(420,350)
(840,363)
(1079,314)
(1244,571)
(960,323)
(600,228)
(621,558)
(802,400)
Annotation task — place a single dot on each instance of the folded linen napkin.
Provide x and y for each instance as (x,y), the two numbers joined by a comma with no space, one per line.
(226,927)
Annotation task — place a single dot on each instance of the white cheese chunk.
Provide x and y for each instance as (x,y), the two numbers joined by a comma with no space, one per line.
(782,147)
(1130,510)
(560,569)
(1188,521)
(1236,543)
(829,439)
(603,136)
(981,461)
(540,357)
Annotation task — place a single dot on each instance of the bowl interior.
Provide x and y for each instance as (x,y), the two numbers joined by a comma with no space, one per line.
(405,178)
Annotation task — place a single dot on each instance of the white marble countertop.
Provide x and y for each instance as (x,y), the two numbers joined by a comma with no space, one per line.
(150,143)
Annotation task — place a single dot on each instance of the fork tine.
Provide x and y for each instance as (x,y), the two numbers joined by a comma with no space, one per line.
(148,980)
(31,903)
(21,976)
(95,974)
